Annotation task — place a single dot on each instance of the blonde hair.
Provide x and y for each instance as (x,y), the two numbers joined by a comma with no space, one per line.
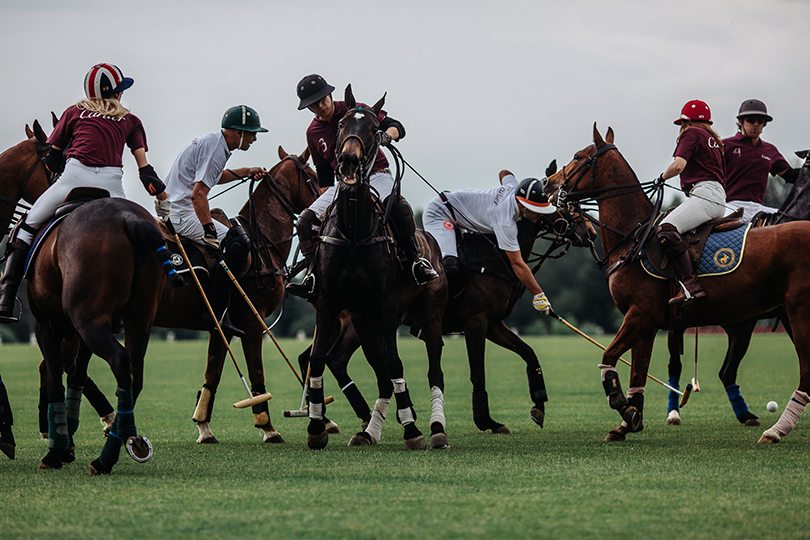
(108,107)
(707,127)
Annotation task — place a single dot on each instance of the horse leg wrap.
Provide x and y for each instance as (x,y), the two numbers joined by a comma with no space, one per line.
(205,404)
(58,436)
(537,386)
(613,389)
(437,409)
(109,454)
(737,401)
(405,413)
(261,413)
(791,414)
(480,405)
(165,259)
(378,415)
(356,400)
(316,405)
(73,400)
(673,401)
(125,416)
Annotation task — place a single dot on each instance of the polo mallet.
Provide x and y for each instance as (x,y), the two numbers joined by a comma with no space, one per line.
(583,334)
(251,400)
(695,380)
(329,399)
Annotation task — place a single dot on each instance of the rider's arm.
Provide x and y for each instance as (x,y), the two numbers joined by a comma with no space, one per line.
(199,200)
(674,169)
(393,127)
(523,273)
(140,159)
(230,175)
(503,174)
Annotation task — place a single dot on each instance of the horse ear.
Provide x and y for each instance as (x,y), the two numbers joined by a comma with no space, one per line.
(39,133)
(28,131)
(281,153)
(305,155)
(552,168)
(349,97)
(54,119)
(379,105)
(597,138)
(609,135)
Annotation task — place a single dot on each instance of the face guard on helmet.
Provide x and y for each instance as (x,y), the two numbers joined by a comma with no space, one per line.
(753,107)
(312,89)
(695,110)
(105,80)
(530,194)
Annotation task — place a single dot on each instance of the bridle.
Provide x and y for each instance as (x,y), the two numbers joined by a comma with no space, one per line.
(369,151)
(42,150)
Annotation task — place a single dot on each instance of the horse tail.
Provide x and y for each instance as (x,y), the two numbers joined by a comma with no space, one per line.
(144,235)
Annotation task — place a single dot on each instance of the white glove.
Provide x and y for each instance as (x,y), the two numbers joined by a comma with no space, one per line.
(541,303)
(163,209)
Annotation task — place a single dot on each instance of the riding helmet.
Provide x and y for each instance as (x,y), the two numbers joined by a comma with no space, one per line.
(695,110)
(754,107)
(105,80)
(312,89)
(530,194)
(243,118)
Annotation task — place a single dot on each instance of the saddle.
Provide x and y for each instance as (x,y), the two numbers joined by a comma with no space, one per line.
(201,261)
(696,238)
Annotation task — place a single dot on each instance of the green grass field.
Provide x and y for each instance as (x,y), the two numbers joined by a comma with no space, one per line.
(706,479)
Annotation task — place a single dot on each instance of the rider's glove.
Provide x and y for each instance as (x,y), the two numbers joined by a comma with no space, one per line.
(163,209)
(211,242)
(660,180)
(150,180)
(55,161)
(541,303)
(385,138)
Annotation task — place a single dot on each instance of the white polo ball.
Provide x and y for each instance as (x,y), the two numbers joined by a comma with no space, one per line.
(772,406)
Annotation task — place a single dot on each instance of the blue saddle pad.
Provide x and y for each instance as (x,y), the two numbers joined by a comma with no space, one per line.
(722,253)
(43,234)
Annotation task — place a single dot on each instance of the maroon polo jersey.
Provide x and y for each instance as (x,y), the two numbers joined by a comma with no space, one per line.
(322,139)
(97,140)
(703,158)
(748,166)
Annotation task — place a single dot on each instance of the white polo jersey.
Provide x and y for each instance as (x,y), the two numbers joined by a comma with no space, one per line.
(201,161)
(489,211)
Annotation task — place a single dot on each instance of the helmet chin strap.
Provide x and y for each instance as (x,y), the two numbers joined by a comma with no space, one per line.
(241,138)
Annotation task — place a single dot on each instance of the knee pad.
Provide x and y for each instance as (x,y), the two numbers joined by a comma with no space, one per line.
(670,240)
(402,216)
(613,390)
(307,226)
(236,248)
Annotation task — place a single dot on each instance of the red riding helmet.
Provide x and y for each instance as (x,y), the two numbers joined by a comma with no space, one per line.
(695,110)
(105,80)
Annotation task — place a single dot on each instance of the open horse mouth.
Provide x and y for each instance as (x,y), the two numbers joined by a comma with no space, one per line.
(349,179)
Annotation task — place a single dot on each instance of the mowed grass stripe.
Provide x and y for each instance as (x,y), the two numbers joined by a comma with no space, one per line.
(707,478)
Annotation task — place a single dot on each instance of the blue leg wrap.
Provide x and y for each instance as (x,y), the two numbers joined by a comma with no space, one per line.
(672,404)
(737,401)
(58,438)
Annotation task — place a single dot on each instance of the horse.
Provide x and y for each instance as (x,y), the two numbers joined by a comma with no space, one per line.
(479,311)
(773,274)
(98,266)
(358,270)
(795,207)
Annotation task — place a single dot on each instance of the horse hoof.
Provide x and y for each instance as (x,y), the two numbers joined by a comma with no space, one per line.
(632,417)
(616,435)
(139,448)
(208,440)
(51,461)
(753,422)
(96,469)
(674,418)
(417,443)
(332,428)
(274,438)
(361,439)
(317,442)
(501,429)
(537,416)
(438,441)
(770,436)
(69,455)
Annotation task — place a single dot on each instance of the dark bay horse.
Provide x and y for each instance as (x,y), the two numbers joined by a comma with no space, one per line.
(795,207)
(98,266)
(358,270)
(774,273)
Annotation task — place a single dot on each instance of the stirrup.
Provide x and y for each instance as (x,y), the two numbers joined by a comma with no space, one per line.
(428,273)
(305,289)
(9,317)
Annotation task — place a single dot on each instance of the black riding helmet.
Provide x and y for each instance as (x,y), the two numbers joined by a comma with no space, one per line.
(530,194)
(753,107)
(312,89)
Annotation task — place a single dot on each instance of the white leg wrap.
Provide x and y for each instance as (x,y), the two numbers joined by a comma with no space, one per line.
(437,406)
(399,385)
(374,428)
(633,390)
(604,368)
(316,411)
(791,414)
(406,416)
(316,382)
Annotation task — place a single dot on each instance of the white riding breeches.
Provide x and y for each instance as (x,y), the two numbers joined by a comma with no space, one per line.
(706,201)
(382,182)
(750,209)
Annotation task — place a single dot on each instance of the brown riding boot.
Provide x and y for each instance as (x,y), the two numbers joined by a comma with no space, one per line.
(676,251)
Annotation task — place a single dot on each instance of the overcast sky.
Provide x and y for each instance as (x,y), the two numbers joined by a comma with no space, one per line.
(479,86)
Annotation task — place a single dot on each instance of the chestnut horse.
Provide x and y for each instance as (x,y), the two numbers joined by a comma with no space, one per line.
(358,270)
(774,273)
(98,266)
(796,207)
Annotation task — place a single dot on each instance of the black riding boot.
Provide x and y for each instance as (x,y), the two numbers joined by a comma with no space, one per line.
(676,250)
(402,216)
(12,277)
(308,226)
(456,276)
(220,296)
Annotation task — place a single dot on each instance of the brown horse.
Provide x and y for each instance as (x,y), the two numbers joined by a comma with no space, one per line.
(98,266)
(773,274)
(268,218)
